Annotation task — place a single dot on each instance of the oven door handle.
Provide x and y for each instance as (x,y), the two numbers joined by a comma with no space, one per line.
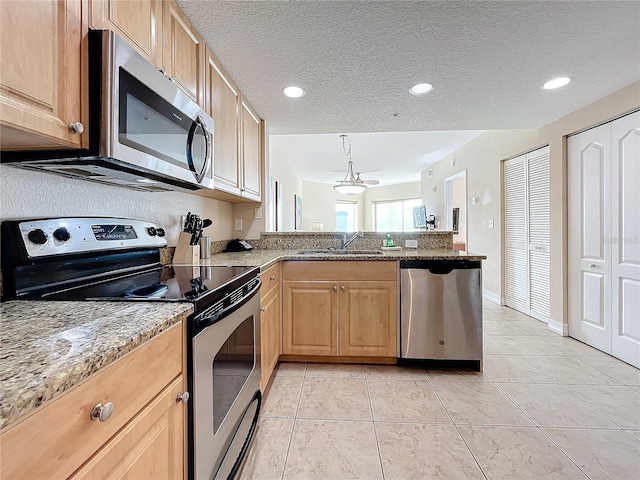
(205,322)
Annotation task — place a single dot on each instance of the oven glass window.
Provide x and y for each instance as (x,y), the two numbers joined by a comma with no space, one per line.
(149,123)
(232,366)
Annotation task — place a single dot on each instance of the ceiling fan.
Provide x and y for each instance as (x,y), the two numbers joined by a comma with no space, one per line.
(352,184)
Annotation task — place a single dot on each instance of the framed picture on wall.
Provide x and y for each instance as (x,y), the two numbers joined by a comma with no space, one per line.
(297,202)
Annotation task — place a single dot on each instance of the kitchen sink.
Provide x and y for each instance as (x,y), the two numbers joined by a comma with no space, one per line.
(341,252)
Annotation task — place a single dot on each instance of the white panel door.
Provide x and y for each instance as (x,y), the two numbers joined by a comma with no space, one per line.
(516,256)
(539,217)
(625,238)
(589,278)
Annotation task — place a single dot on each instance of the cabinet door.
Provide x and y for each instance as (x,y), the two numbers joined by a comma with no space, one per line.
(151,446)
(251,153)
(271,335)
(310,318)
(183,53)
(38,104)
(222,103)
(139,22)
(368,319)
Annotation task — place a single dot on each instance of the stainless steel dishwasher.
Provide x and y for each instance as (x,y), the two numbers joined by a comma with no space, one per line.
(441,312)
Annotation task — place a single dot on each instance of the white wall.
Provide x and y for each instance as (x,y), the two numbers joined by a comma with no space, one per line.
(28,194)
(281,171)
(482,158)
(319,205)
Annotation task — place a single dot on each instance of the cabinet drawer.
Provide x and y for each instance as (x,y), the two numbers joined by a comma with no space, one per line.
(56,440)
(270,279)
(347,270)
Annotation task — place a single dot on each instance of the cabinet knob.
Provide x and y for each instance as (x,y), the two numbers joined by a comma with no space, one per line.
(182,397)
(162,70)
(592,265)
(335,288)
(263,309)
(76,127)
(272,278)
(102,412)
(343,288)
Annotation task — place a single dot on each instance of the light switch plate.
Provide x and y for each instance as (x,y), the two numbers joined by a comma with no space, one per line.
(258,213)
(491,224)
(411,243)
(238,224)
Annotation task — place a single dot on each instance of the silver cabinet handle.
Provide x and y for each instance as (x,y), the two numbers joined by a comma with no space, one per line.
(335,288)
(263,309)
(76,127)
(182,397)
(343,288)
(102,412)
(592,265)
(272,278)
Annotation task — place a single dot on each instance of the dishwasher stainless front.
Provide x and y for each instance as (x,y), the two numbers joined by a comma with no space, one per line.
(441,311)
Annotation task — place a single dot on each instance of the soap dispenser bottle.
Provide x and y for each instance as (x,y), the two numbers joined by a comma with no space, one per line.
(389,241)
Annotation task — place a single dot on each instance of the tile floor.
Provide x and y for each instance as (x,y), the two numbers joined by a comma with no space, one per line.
(545,407)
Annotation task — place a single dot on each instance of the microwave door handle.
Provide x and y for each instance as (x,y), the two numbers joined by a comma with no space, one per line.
(192,132)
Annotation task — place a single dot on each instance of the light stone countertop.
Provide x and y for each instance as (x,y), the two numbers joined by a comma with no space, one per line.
(48,347)
(266,258)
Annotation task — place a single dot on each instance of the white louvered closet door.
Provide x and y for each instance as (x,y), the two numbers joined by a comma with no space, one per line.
(527,233)
(516,257)
(539,217)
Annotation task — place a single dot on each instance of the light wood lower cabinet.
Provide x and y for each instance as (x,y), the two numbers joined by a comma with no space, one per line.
(341,309)
(150,447)
(146,421)
(42,85)
(270,323)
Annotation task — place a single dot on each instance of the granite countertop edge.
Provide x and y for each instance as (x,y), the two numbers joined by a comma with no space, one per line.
(68,344)
(267,258)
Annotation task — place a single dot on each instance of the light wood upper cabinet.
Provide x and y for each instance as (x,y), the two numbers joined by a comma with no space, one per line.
(139,22)
(42,85)
(223,104)
(150,447)
(183,54)
(310,318)
(340,309)
(368,319)
(251,153)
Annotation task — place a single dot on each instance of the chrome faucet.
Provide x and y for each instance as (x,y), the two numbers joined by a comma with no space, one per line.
(347,241)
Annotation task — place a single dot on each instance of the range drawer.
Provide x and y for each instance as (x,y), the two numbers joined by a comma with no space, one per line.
(60,437)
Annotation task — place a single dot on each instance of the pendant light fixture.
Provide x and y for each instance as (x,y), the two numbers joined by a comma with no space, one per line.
(350,185)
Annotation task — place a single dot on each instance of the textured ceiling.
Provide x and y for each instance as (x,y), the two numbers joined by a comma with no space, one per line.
(357,59)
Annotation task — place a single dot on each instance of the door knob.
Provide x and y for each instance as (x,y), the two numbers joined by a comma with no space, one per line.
(76,127)
(102,412)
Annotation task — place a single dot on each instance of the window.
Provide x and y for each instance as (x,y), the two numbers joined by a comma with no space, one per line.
(394,216)
(346,216)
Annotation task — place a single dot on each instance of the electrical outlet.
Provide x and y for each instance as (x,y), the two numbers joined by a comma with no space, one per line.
(238,224)
(491,224)
(258,213)
(411,243)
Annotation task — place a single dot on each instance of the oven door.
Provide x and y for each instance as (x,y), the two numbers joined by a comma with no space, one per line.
(148,121)
(226,377)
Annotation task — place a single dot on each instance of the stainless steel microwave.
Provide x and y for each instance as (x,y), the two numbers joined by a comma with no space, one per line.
(144,132)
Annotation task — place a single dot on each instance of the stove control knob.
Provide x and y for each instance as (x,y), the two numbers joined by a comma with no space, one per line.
(62,234)
(152,231)
(38,236)
(161,232)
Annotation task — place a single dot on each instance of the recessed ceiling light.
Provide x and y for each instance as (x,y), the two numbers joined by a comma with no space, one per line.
(421,88)
(556,83)
(293,92)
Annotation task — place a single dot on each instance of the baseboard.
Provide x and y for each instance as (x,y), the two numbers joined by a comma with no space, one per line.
(561,329)
(492,297)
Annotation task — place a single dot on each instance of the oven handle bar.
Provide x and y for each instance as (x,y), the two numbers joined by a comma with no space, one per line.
(202,323)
